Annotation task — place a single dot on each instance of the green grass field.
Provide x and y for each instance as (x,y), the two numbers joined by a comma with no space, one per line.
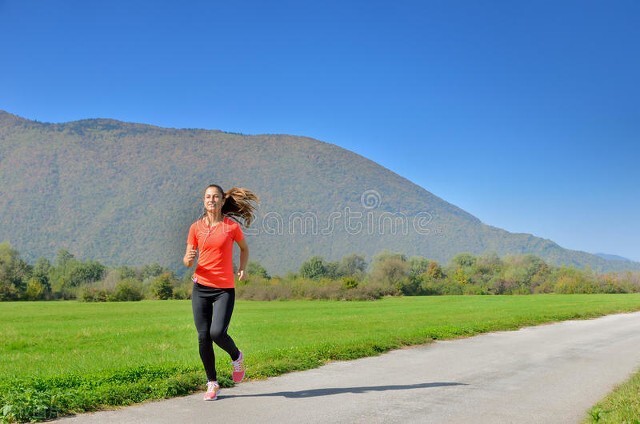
(58,358)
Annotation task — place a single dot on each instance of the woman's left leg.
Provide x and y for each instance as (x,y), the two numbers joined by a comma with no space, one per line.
(222,310)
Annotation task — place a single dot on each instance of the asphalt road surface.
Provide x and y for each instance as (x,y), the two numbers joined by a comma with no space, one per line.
(546,374)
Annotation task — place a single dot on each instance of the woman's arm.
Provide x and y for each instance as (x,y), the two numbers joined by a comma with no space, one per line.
(189,255)
(244,258)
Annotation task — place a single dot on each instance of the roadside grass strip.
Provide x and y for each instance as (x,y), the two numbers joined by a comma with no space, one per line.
(622,406)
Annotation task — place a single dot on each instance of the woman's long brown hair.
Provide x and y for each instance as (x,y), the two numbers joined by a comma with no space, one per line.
(239,203)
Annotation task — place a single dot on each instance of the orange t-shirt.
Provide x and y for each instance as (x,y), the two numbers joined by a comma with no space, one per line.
(215,252)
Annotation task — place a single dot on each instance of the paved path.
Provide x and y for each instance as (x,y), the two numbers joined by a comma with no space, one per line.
(546,374)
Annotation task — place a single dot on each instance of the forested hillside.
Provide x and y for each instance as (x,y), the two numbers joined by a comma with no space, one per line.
(125,194)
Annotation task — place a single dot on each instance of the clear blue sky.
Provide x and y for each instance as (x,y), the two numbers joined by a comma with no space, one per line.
(524,113)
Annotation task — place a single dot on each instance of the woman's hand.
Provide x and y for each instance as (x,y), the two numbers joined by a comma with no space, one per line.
(244,259)
(189,256)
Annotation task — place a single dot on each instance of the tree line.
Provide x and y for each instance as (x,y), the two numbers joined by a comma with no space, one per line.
(70,278)
(395,274)
(351,278)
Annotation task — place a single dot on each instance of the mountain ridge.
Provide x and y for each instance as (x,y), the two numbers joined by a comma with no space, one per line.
(125,193)
(612,257)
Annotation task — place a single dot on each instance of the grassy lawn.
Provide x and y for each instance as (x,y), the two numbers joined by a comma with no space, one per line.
(62,357)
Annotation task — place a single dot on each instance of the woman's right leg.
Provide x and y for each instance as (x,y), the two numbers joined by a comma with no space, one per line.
(202,305)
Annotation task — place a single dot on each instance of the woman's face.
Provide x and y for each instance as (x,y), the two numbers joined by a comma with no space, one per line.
(213,199)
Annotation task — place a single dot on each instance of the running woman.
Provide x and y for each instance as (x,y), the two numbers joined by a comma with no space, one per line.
(211,238)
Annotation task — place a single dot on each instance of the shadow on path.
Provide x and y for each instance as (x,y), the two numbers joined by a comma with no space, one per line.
(339,390)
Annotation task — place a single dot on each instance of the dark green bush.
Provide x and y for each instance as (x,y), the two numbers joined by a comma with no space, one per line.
(127,290)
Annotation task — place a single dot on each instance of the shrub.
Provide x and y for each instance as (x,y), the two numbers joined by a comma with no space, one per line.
(256,269)
(352,265)
(127,290)
(475,289)
(35,289)
(573,281)
(162,286)
(182,293)
(463,260)
(349,282)
(93,294)
(390,272)
(314,268)
(263,290)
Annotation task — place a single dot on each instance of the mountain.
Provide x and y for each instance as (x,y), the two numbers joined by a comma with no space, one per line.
(126,193)
(610,257)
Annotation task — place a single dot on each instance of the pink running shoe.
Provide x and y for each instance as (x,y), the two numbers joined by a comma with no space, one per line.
(238,369)
(212,390)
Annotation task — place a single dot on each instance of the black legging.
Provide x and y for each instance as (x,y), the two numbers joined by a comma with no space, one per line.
(212,327)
